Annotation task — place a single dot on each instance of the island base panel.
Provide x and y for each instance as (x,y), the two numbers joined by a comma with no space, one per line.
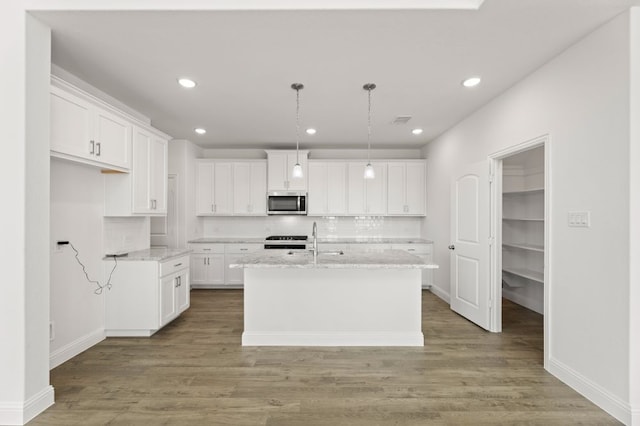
(332,307)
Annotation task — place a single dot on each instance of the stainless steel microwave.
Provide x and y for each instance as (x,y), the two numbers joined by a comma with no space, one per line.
(286,202)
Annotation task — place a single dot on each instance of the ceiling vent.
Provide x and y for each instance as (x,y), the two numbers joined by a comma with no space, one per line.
(401,119)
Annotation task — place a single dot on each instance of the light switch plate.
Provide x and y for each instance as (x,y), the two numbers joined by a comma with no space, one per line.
(579,219)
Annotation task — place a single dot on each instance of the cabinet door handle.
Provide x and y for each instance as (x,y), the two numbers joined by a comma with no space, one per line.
(244,249)
(215,208)
(93,147)
(208,261)
(206,249)
(98,150)
(177,264)
(204,260)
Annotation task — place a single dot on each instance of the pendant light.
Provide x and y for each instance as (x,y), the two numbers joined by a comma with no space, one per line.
(369,173)
(296,173)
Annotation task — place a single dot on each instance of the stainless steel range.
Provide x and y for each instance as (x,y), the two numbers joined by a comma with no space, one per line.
(288,242)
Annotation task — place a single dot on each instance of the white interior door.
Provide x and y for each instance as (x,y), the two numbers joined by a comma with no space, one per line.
(470,229)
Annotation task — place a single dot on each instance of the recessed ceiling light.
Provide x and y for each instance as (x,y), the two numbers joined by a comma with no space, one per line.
(471,82)
(186,83)
(416,131)
(200,131)
(311,131)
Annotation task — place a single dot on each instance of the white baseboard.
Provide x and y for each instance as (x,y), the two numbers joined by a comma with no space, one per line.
(635,417)
(527,302)
(444,295)
(593,392)
(76,347)
(332,339)
(19,413)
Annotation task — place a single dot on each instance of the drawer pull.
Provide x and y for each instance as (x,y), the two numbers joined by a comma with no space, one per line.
(177,264)
(243,249)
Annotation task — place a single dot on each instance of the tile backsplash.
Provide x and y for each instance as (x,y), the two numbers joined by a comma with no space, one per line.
(125,234)
(358,226)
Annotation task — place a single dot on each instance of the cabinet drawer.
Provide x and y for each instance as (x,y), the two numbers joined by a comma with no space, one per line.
(413,248)
(174,265)
(207,248)
(242,248)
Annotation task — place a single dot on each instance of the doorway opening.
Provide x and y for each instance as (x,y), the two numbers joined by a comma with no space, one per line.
(520,249)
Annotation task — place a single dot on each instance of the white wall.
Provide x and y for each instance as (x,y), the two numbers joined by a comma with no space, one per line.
(24,307)
(77,206)
(634,226)
(581,99)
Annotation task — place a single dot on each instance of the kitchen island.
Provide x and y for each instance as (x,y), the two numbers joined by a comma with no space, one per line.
(334,299)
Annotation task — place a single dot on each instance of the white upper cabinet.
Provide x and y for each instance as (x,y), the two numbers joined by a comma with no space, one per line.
(327,188)
(223,189)
(250,188)
(280,165)
(84,130)
(367,196)
(407,188)
(214,191)
(144,190)
(150,172)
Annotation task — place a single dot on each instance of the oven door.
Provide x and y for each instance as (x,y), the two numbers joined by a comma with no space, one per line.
(286,204)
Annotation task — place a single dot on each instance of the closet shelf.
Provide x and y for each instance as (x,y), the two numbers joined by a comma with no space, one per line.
(523,219)
(524,246)
(525,191)
(525,273)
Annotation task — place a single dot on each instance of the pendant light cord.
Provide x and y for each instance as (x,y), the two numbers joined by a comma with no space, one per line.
(297,125)
(369,128)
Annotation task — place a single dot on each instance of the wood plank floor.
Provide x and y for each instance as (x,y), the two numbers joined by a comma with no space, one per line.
(194,372)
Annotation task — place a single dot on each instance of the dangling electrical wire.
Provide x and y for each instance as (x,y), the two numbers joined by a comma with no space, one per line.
(86,274)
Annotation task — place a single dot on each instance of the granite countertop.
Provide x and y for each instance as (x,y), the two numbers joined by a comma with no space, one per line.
(227,240)
(152,254)
(345,240)
(373,240)
(387,259)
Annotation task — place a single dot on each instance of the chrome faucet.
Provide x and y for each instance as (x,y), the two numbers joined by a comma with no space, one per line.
(314,234)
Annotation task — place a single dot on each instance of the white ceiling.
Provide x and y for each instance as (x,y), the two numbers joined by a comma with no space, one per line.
(245,61)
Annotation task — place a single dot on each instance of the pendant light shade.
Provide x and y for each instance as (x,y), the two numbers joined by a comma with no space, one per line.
(369,173)
(297,173)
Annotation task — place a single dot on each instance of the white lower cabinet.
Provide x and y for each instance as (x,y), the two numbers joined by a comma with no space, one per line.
(145,295)
(207,265)
(425,252)
(232,252)
(210,264)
